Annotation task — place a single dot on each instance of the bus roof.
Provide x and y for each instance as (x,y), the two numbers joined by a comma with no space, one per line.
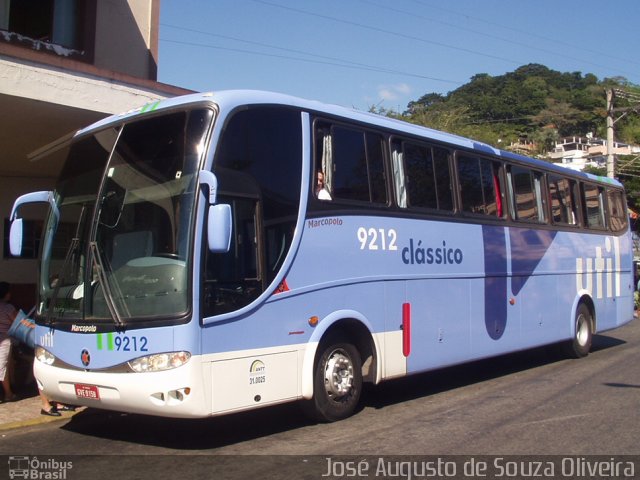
(230,99)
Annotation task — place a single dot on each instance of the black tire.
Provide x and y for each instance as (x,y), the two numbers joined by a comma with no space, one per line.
(580,345)
(337,382)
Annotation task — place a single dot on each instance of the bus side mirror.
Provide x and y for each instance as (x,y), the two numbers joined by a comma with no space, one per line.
(15,237)
(219,222)
(15,232)
(219,228)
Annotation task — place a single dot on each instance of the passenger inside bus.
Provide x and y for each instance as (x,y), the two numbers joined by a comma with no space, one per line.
(321,191)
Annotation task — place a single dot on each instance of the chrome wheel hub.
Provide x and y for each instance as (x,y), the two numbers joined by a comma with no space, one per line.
(338,374)
(582,330)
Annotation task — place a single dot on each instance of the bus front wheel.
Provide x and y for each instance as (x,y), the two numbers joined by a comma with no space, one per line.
(580,345)
(337,382)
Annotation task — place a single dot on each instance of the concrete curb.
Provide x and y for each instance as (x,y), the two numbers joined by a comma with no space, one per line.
(25,412)
(39,420)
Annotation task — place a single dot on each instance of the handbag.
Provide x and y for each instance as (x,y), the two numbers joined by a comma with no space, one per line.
(23,329)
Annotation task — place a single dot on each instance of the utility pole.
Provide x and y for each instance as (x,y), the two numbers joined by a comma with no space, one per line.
(634,99)
(610,157)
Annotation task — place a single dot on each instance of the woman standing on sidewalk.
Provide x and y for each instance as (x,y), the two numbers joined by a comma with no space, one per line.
(7,316)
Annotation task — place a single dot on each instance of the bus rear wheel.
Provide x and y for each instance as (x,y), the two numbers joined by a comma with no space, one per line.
(337,382)
(580,345)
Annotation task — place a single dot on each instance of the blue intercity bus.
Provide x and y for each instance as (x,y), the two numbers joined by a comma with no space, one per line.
(220,252)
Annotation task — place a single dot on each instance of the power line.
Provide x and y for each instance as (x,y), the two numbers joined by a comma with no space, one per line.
(532,34)
(387,32)
(344,64)
(485,34)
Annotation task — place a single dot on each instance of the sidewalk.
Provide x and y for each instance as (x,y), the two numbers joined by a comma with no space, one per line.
(26,412)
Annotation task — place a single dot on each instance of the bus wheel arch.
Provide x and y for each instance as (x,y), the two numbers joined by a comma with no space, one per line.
(583,329)
(344,359)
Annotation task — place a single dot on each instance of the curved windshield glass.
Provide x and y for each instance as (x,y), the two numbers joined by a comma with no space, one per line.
(121,248)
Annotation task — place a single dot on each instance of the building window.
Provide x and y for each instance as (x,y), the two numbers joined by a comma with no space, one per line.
(40,23)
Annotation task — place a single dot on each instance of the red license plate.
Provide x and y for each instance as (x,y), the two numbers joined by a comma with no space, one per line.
(87,391)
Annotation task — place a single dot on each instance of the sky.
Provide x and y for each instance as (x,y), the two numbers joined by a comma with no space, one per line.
(386,53)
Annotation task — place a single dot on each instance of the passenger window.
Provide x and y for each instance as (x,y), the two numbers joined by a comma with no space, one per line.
(593,205)
(375,160)
(563,205)
(351,163)
(428,180)
(480,186)
(526,194)
(617,210)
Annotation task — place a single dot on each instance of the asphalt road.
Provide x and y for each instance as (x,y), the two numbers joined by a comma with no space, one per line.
(532,403)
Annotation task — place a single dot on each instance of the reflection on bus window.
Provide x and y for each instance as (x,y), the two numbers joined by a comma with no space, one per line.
(593,205)
(563,205)
(527,194)
(480,186)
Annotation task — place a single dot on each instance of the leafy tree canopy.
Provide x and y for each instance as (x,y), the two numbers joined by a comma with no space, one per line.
(532,102)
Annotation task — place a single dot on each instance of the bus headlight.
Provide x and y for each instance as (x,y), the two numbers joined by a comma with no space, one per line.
(159,362)
(44,356)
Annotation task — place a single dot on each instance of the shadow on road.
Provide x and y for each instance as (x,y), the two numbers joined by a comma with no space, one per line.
(210,433)
(438,381)
(188,434)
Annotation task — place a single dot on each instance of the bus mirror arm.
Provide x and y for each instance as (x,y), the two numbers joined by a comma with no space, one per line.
(219,223)
(207,178)
(16,230)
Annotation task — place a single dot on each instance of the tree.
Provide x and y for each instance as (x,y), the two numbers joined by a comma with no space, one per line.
(533,101)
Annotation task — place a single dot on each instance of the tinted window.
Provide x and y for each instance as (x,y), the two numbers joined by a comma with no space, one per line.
(350,179)
(480,186)
(593,205)
(527,194)
(563,207)
(259,170)
(427,176)
(375,158)
(617,210)
(351,162)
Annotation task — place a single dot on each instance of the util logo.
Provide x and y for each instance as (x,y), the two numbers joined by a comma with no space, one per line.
(601,271)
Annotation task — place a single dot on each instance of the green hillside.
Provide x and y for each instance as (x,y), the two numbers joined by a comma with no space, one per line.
(533,103)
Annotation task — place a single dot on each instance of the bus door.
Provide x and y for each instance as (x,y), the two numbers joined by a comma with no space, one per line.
(233,279)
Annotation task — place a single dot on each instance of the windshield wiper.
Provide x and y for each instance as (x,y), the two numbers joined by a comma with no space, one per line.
(98,265)
(56,290)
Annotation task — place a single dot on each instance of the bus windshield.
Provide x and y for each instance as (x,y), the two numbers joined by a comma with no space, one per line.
(119,245)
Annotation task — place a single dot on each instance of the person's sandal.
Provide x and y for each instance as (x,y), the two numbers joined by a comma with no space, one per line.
(51,413)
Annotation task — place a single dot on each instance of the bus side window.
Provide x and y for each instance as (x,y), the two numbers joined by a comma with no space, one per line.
(593,206)
(563,205)
(526,192)
(617,210)
(480,186)
(428,179)
(351,162)
(443,178)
